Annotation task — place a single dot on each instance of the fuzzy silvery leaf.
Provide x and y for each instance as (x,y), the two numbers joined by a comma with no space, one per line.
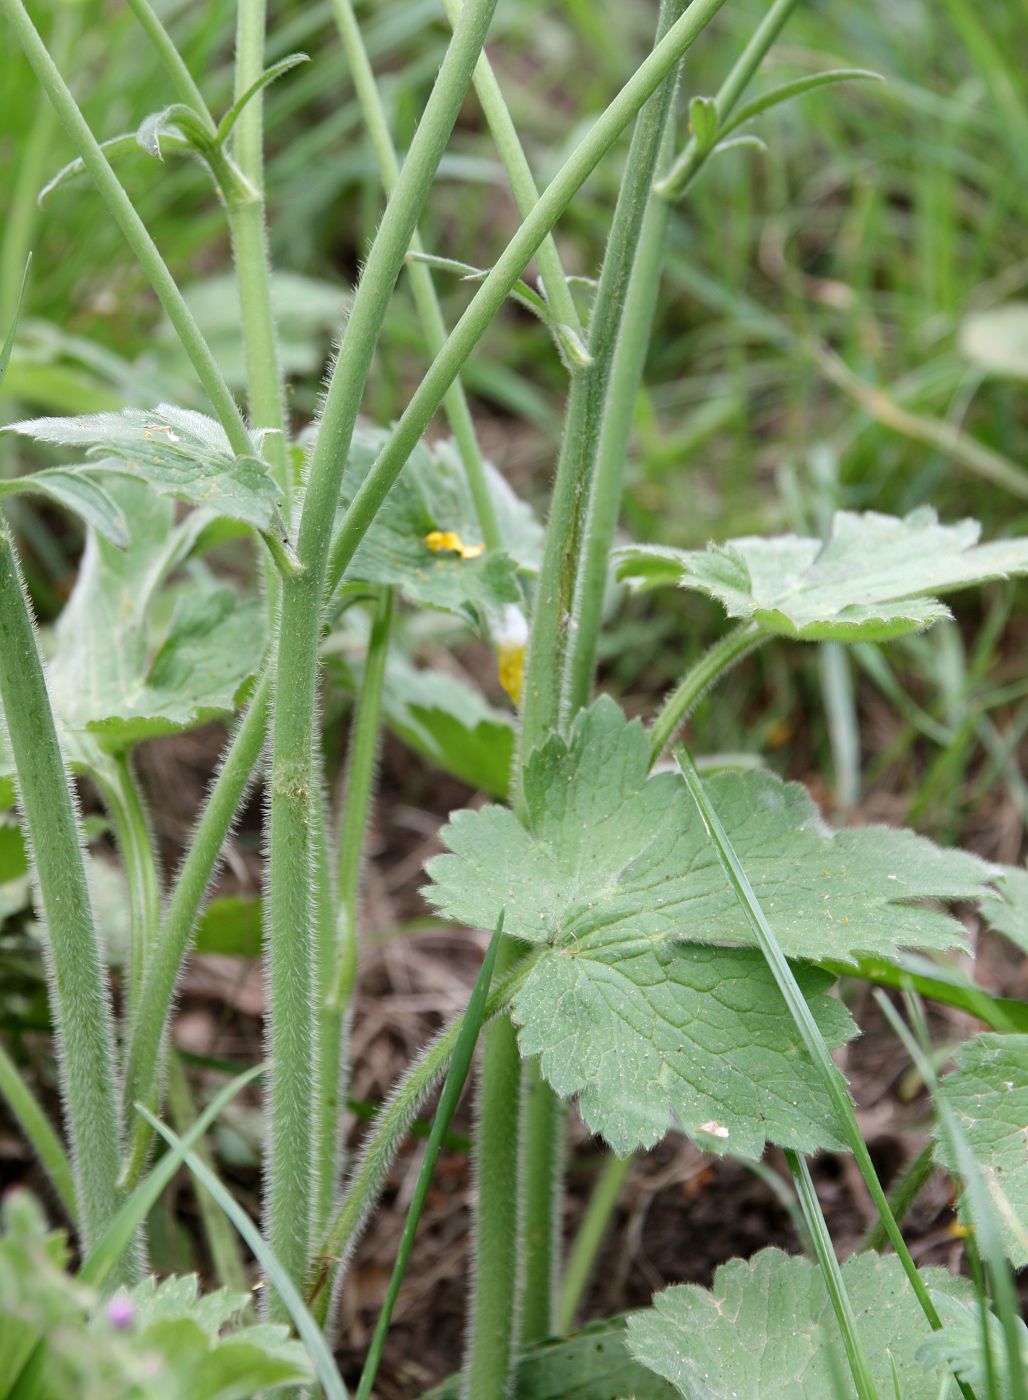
(76,490)
(611,856)
(988,1092)
(767,1330)
(135,658)
(432,498)
(176,451)
(1006,910)
(875,577)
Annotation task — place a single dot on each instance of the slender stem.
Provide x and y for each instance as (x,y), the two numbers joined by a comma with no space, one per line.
(526,195)
(77,981)
(495,288)
(250,246)
(290,1194)
(693,158)
(39,1132)
(552,626)
(714,662)
(125,803)
(337,974)
(586,1246)
(419,275)
(389,1130)
(832,1275)
(173,62)
(121,210)
(626,373)
(221,1241)
(142,1072)
(494,1325)
(553,619)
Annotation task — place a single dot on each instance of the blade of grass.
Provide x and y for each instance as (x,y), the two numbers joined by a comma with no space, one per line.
(101,1261)
(39,1132)
(453,1087)
(832,1274)
(806,1025)
(277,1275)
(582,1254)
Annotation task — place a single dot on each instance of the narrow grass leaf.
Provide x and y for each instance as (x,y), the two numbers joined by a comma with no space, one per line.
(310,1334)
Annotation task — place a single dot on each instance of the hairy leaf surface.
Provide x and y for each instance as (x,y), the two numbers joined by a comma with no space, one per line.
(613,858)
(136,658)
(176,451)
(766,1330)
(988,1091)
(960,1343)
(72,488)
(614,873)
(875,577)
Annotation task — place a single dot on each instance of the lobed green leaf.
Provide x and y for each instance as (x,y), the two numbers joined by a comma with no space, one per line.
(875,577)
(988,1093)
(766,1330)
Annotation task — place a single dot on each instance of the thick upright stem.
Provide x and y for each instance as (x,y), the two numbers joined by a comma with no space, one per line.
(290,1193)
(78,991)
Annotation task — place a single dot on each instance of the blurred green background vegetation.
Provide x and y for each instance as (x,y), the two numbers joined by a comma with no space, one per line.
(811,351)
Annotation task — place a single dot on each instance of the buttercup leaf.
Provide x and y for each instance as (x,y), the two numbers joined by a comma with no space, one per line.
(431,500)
(988,1092)
(875,577)
(77,491)
(176,451)
(611,856)
(766,1330)
(960,1345)
(134,660)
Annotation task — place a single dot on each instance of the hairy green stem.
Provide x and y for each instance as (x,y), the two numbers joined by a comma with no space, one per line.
(494,1325)
(143,1068)
(694,157)
(587,1242)
(79,1001)
(615,431)
(526,195)
(121,210)
(290,1189)
(387,1134)
(426,301)
(337,973)
(553,619)
(714,662)
(496,286)
(553,625)
(39,1133)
